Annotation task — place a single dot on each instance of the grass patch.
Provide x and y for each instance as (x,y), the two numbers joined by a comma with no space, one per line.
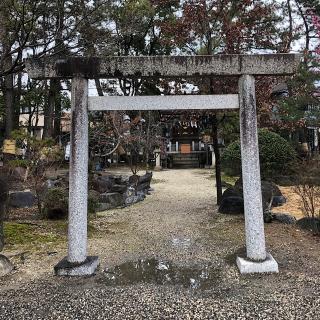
(26,234)
(60,228)
(225,178)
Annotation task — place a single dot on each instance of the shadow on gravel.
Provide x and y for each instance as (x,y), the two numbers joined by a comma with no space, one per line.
(231,258)
(163,273)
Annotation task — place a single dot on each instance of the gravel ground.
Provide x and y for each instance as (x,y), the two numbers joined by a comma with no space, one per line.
(177,224)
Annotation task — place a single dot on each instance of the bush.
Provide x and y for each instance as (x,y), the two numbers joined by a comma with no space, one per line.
(56,203)
(276,155)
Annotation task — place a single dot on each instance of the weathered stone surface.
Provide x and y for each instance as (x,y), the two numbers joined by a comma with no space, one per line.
(119,188)
(21,199)
(231,192)
(284,218)
(232,205)
(103,184)
(135,197)
(278,201)
(163,66)
(192,102)
(103,207)
(117,179)
(134,179)
(269,190)
(86,268)
(5,266)
(253,209)
(94,195)
(311,224)
(78,186)
(266,266)
(146,178)
(115,199)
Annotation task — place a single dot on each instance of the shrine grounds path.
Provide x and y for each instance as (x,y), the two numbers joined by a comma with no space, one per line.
(178,228)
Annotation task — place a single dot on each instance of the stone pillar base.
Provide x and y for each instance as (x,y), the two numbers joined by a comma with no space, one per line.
(87,268)
(267,266)
(157,168)
(5,265)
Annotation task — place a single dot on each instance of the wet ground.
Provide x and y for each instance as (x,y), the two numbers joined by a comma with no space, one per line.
(161,272)
(171,256)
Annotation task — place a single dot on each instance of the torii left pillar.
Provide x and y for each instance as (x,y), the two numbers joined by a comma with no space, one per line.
(77,263)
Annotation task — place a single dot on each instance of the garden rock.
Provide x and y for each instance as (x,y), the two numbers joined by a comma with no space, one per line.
(232,205)
(270,192)
(21,199)
(103,207)
(311,224)
(284,218)
(103,184)
(231,192)
(278,201)
(134,198)
(114,199)
(95,195)
(118,179)
(225,184)
(119,188)
(134,179)
(5,266)
(146,178)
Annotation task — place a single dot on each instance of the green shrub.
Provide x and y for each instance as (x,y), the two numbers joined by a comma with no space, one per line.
(18,163)
(276,155)
(56,203)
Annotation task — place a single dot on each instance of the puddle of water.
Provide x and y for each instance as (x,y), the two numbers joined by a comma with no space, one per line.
(162,272)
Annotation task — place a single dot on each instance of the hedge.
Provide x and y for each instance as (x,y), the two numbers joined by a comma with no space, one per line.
(276,155)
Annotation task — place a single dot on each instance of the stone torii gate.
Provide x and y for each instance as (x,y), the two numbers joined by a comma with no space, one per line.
(79,69)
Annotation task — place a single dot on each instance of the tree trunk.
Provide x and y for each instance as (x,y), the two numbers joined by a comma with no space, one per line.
(8,92)
(17,99)
(57,109)
(218,159)
(3,199)
(48,112)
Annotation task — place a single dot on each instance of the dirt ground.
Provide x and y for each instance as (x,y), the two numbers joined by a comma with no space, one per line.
(293,204)
(177,225)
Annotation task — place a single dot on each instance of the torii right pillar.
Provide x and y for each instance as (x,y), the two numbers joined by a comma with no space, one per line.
(257,260)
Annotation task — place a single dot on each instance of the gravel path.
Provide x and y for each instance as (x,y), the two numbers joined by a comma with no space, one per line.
(178,228)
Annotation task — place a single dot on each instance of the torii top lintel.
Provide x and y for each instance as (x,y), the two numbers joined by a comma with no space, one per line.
(163,66)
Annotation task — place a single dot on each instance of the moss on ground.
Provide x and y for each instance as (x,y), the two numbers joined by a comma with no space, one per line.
(229,179)
(27,234)
(225,178)
(46,232)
